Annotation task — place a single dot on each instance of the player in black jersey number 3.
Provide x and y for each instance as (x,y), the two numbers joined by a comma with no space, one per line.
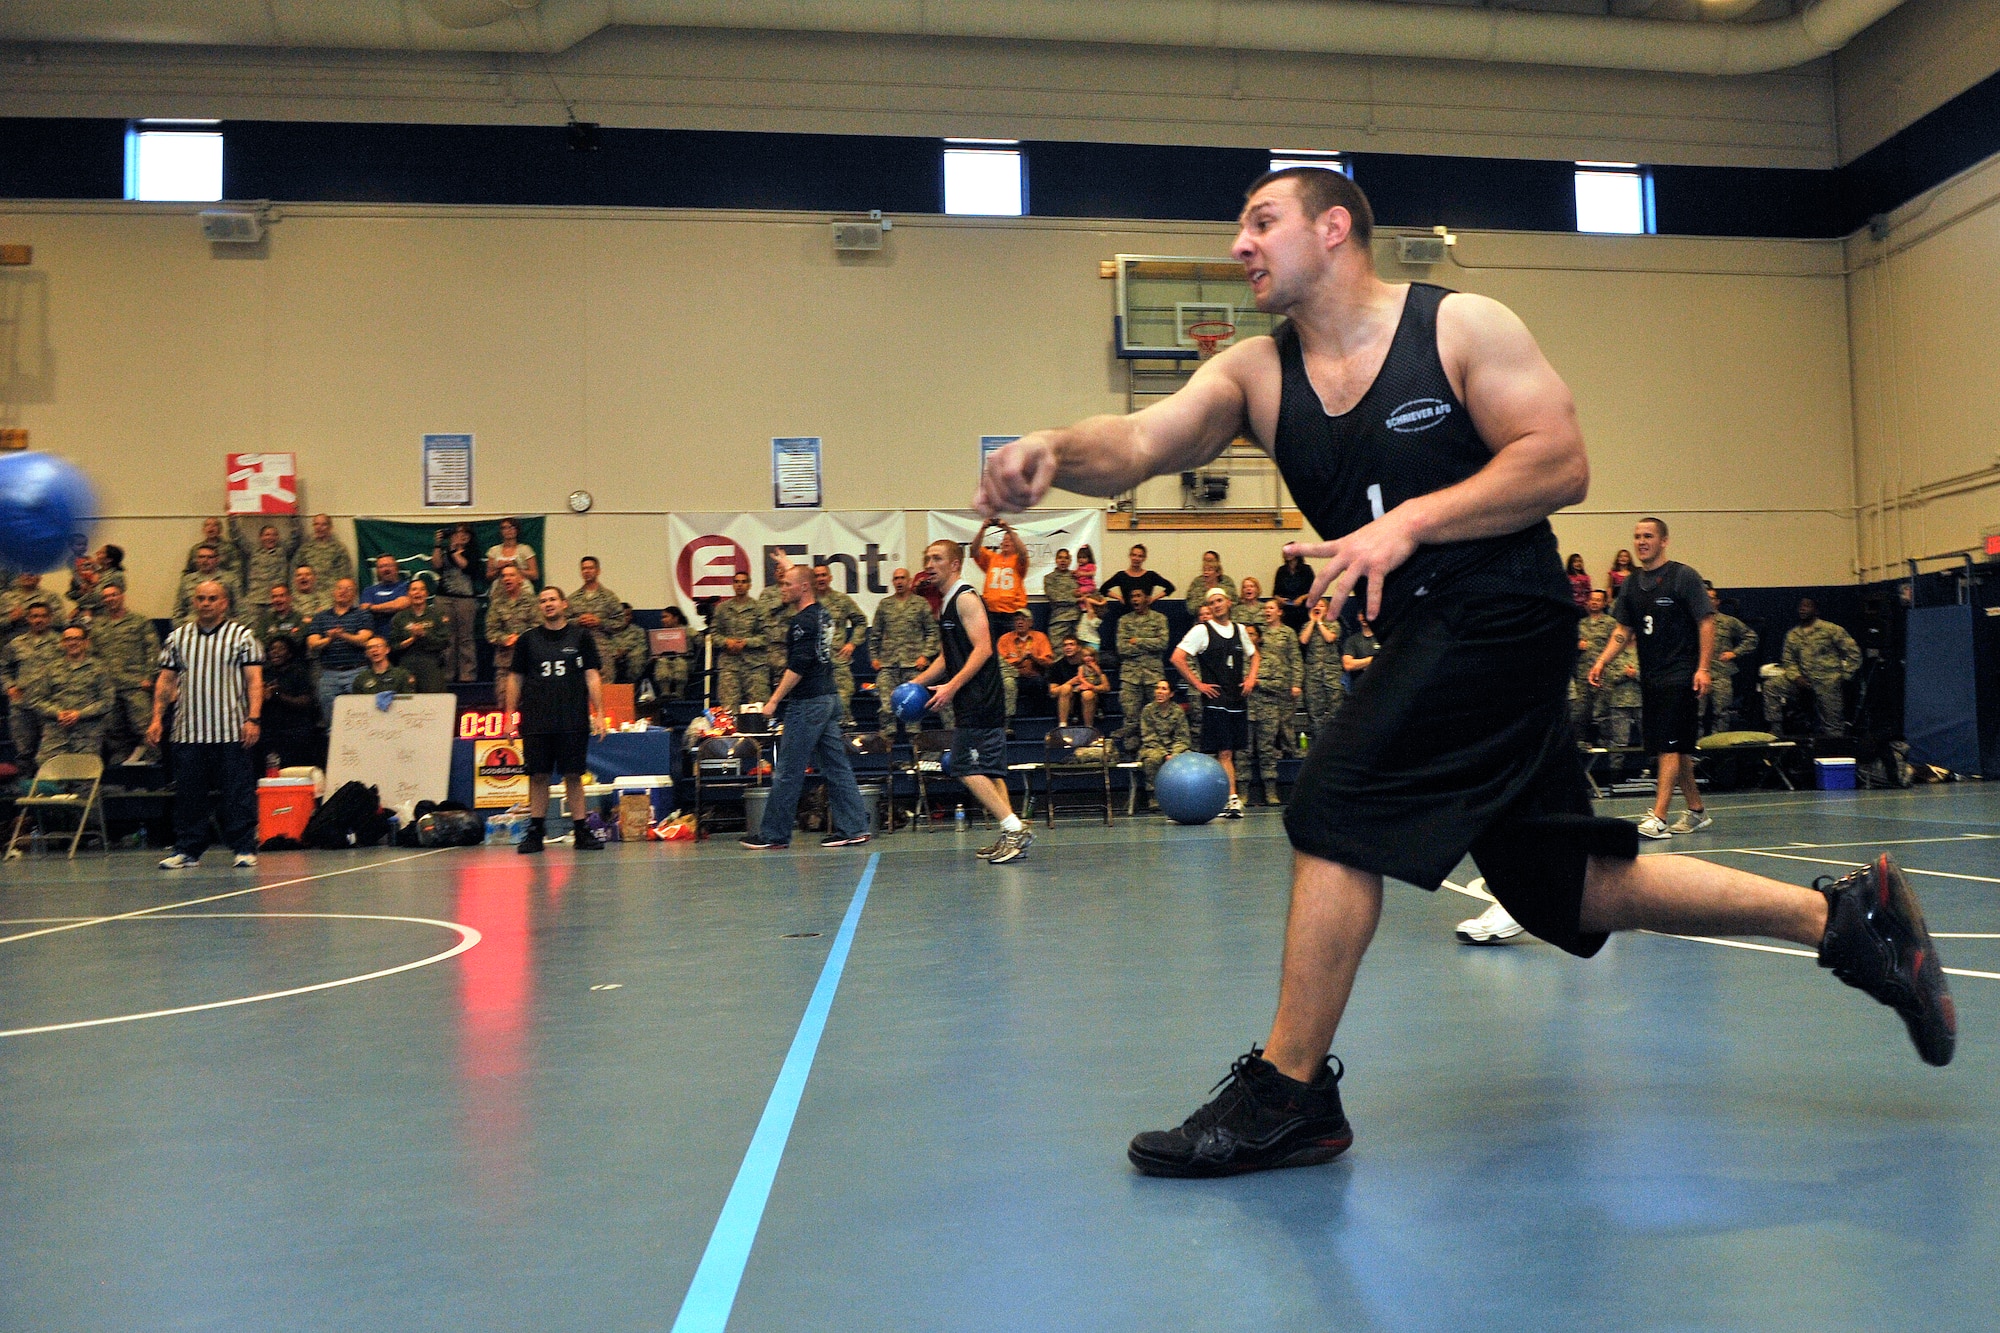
(1428,440)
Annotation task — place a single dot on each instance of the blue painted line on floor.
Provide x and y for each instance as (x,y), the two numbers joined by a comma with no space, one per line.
(712,1294)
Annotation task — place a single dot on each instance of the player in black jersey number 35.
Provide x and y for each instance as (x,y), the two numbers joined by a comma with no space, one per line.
(1427,440)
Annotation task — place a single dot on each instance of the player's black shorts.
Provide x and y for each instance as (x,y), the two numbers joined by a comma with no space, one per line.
(979,752)
(561,752)
(1224,727)
(1456,740)
(1671,717)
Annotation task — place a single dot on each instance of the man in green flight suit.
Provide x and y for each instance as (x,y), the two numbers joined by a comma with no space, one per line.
(380,675)
(901,642)
(1586,701)
(600,611)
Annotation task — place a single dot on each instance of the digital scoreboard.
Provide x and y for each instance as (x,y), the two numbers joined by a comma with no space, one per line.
(483,724)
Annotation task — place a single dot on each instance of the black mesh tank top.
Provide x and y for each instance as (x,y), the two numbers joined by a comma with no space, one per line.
(1408,436)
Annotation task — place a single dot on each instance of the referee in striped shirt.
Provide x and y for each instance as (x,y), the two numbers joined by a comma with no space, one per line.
(215,668)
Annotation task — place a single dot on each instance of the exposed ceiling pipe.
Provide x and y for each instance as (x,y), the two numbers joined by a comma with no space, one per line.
(1345,27)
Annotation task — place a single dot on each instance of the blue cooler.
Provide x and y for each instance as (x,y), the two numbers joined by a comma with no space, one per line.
(1834,774)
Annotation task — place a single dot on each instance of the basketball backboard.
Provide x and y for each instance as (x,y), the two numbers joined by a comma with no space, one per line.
(1159,296)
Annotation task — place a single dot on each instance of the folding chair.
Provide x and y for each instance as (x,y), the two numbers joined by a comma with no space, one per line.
(63,770)
(927,750)
(1059,755)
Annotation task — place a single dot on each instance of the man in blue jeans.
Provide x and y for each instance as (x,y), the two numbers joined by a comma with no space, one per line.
(812,728)
(338,637)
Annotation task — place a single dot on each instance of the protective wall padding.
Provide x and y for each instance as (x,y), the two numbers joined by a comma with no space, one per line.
(1940,694)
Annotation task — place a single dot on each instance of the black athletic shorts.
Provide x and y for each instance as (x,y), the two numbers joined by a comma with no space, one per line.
(1670,717)
(557,752)
(1224,727)
(979,752)
(1457,739)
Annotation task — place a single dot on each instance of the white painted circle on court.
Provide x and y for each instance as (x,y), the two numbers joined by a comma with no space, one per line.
(467,938)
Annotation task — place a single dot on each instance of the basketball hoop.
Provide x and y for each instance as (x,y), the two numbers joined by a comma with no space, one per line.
(1210,334)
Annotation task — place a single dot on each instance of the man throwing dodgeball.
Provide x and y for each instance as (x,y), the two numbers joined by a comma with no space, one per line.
(972,687)
(1428,440)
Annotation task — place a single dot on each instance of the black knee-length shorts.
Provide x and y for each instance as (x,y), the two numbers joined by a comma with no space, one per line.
(1458,740)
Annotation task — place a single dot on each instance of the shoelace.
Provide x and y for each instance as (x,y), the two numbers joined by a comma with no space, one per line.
(1239,1088)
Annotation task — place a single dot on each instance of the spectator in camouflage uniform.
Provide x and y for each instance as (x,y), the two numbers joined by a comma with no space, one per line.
(279,619)
(208,568)
(1142,645)
(737,628)
(71,696)
(26,592)
(309,598)
(671,672)
(1211,576)
(86,588)
(1248,608)
(329,559)
(1275,697)
(269,566)
(1819,659)
(777,621)
(21,665)
(228,556)
(901,642)
(1163,733)
(631,650)
(511,611)
(850,633)
(1734,641)
(1319,651)
(1621,703)
(600,611)
(420,635)
(1585,700)
(380,675)
(127,646)
(1059,586)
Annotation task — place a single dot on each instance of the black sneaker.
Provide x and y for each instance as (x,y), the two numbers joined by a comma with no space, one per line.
(1262,1121)
(843,840)
(755,842)
(530,843)
(1876,941)
(586,840)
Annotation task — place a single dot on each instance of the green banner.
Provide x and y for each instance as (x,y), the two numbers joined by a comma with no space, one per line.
(411,543)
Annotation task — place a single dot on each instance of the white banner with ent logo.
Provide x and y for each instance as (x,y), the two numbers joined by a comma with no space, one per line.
(1043,531)
(860,549)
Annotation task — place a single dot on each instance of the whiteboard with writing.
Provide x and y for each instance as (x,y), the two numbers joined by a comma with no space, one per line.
(404,753)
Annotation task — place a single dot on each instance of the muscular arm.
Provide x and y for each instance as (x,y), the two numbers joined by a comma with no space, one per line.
(1108,455)
(1620,636)
(972,617)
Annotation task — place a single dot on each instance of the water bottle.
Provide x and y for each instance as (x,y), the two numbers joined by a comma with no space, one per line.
(958,817)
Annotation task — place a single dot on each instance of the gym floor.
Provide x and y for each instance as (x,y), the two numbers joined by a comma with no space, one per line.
(392,1090)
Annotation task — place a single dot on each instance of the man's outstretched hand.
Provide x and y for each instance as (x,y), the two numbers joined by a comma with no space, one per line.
(1370,552)
(1016,477)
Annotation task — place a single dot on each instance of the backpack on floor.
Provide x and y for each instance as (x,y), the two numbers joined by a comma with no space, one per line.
(346,819)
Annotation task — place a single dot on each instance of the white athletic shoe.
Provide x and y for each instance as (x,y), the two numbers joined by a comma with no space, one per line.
(1234,809)
(1691,821)
(245,861)
(1492,926)
(179,862)
(1652,826)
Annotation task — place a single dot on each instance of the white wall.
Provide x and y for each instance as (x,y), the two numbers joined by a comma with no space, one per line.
(649,357)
